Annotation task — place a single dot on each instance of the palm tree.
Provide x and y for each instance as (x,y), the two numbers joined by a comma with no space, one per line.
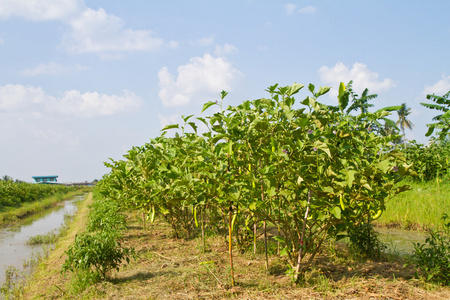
(360,103)
(402,121)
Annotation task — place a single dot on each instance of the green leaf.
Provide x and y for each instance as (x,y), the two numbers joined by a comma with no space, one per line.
(186,118)
(230,148)
(343,97)
(170,127)
(322,146)
(384,165)
(284,251)
(336,212)
(390,108)
(279,239)
(194,126)
(430,130)
(293,89)
(323,90)
(207,105)
(341,88)
(223,94)
(350,176)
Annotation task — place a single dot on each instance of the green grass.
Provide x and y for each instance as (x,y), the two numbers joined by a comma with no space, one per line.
(39,239)
(419,208)
(15,214)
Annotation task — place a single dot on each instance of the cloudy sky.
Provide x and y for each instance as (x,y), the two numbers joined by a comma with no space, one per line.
(84,81)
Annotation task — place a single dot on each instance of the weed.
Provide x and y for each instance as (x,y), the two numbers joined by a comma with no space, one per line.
(14,280)
(364,241)
(49,238)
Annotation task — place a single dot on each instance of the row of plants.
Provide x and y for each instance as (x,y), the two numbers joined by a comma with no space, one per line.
(312,172)
(16,193)
(432,161)
(99,249)
(429,162)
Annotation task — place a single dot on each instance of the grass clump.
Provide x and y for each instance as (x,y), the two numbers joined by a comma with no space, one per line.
(49,238)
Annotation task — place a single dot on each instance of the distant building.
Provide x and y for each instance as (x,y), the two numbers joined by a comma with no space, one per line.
(45,179)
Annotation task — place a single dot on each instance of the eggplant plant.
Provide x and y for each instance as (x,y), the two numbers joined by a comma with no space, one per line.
(312,170)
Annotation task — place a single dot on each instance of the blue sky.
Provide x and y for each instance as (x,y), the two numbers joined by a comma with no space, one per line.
(84,81)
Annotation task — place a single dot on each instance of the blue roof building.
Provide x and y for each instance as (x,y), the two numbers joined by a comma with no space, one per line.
(45,179)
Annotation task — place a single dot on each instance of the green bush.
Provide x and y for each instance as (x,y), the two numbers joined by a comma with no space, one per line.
(433,257)
(105,215)
(364,241)
(99,252)
(16,193)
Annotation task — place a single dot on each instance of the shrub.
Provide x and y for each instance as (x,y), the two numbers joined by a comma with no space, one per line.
(364,241)
(433,257)
(100,252)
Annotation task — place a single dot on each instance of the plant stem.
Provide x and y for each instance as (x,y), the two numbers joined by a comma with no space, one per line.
(299,259)
(254,236)
(265,246)
(230,243)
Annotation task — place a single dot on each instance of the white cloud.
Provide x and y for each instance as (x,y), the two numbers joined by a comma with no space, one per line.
(91,104)
(362,78)
(40,10)
(439,88)
(291,9)
(51,68)
(225,50)
(91,31)
(95,31)
(17,96)
(308,10)
(22,98)
(201,77)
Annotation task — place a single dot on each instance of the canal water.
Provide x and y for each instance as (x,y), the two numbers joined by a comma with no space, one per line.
(14,250)
(399,240)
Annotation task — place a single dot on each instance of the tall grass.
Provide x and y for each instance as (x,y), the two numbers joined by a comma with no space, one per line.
(421,207)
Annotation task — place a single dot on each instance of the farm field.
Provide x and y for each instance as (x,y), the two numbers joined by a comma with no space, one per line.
(170,268)
(271,202)
(36,199)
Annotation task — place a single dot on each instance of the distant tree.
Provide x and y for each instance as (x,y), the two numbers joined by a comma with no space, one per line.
(7,178)
(442,103)
(390,128)
(361,103)
(402,121)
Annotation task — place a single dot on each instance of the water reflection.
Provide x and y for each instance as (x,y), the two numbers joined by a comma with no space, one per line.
(13,249)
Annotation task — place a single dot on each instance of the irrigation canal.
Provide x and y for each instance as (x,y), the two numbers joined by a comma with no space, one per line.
(14,251)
